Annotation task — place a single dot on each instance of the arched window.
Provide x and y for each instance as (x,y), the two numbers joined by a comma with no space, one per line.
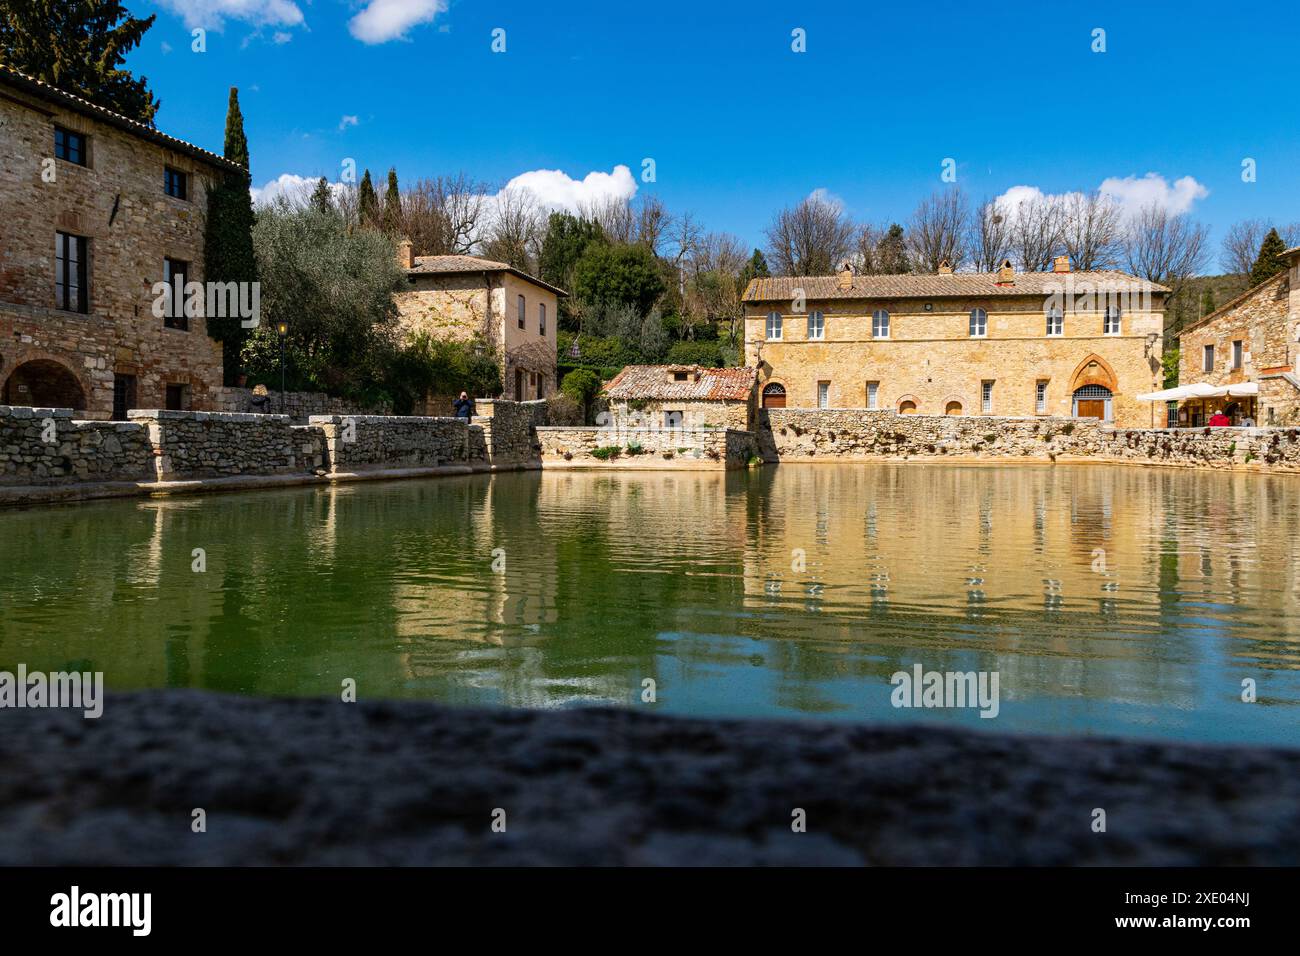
(1093,401)
(880,324)
(907,407)
(979,323)
(952,408)
(774,325)
(773,395)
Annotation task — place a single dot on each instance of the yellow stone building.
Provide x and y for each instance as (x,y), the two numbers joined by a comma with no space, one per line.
(1080,344)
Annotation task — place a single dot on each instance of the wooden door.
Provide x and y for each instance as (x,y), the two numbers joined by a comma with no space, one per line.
(774,399)
(1092,408)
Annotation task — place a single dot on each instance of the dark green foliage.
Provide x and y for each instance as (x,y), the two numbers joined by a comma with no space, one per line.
(891,253)
(582,385)
(228,239)
(321,200)
(618,275)
(707,354)
(566,239)
(367,203)
(426,365)
(1207,302)
(392,220)
(79,47)
(1269,263)
(755,268)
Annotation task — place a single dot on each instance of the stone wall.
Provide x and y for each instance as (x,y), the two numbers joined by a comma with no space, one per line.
(645,447)
(508,429)
(222,444)
(694,414)
(299,406)
(810,434)
(369,442)
(79,451)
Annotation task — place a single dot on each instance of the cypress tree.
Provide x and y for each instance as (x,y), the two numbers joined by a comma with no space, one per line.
(228,246)
(392,206)
(79,47)
(321,200)
(1269,262)
(367,202)
(1207,302)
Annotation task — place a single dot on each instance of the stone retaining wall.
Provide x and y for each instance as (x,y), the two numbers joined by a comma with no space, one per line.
(811,434)
(78,451)
(367,442)
(222,444)
(645,447)
(299,406)
(508,429)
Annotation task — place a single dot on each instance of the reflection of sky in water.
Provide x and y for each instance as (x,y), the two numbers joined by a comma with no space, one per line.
(1108,599)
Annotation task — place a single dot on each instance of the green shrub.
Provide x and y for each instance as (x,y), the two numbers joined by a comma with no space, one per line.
(635,448)
(606,452)
(695,353)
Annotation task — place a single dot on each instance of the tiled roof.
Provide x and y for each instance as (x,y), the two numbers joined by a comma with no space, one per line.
(963,285)
(702,384)
(453,265)
(29,84)
(1231,304)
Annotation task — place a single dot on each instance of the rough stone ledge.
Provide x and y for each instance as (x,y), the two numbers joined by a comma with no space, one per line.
(166,414)
(316,781)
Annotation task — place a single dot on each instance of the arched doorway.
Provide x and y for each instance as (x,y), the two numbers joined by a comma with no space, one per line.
(952,408)
(773,395)
(1093,401)
(44,383)
(907,407)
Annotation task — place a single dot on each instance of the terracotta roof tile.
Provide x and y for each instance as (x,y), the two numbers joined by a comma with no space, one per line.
(454,265)
(963,285)
(702,384)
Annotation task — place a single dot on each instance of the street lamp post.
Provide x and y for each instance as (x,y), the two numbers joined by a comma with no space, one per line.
(282,329)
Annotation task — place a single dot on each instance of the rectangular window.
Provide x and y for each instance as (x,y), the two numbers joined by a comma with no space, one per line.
(178,397)
(979,323)
(123,396)
(1110,324)
(1055,322)
(873,395)
(1040,396)
(174,273)
(1207,360)
(541,385)
(70,287)
(816,325)
(523,313)
(823,394)
(69,146)
(519,384)
(774,321)
(880,324)
(175,183)
(1171,414)
(541,318)
(672,419)
(986,397)
(1237,354)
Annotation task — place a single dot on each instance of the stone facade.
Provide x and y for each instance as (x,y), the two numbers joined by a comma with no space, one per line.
(645,447)
(77,450)
(829,435)
(929,362)
(1260,326)
(116,202)
(461,298)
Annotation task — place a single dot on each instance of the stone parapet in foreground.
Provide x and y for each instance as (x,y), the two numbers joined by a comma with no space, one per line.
(322,782)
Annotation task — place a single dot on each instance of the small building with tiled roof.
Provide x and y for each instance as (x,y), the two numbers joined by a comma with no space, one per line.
(1002,343)
(98,210)
(1254,338)
(469,298)
(682,396)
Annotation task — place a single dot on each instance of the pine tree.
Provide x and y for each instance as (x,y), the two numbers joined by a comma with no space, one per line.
(367,202)
(1207,302)
(891,252)
(321,200)
(79,48)
(1269,263)
(392,221)
(228,240)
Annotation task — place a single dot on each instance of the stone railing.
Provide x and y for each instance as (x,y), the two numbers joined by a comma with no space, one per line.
(814,434)
(596,446)
(299,406)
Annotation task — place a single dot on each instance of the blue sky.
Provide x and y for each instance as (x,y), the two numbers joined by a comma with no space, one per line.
(737,123)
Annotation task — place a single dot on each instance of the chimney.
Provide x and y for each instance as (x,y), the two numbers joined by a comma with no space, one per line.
(404,257)
(1061,264)
(1007,274)
(846,277)
(945,268)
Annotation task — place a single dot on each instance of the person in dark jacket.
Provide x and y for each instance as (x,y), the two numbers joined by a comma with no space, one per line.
(464,406)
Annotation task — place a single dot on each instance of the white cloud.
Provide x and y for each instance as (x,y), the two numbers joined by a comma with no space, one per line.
(555,189)
(824,195)
(1130,193)
(347,121)
(212,14)
(295,188)
(1133,194)
(384,20)
(166,47)
(281,37)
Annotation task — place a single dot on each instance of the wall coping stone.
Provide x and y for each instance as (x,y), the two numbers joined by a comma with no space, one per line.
(165,414)
(32,411)
(378,419)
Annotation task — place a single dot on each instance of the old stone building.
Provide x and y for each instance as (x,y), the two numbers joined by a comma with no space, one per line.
(464,298)
(1082,344)
(1252,339)
(682,396)
(97,209)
